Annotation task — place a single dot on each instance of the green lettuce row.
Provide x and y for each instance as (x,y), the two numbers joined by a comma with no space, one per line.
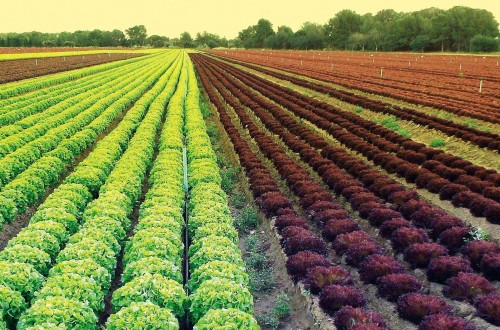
(220,297)
(79,304)
(30,185)
(68,111)
(20,117)
(12,89)
(58,93)
(152,288)
(59,214)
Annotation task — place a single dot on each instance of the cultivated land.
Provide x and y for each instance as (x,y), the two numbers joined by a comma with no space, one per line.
(253,189)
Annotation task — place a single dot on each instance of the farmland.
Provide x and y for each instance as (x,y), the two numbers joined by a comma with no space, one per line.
(247,189)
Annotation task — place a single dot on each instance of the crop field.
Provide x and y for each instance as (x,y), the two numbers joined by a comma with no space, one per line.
(245,189)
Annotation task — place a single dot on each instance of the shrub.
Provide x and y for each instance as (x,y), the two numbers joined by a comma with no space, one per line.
(59,311)
(334,227)
(392,286)
(319,277)
(298,264)
(488,307)
(412,206)
(490,266)
(377,266)
(157,289)
(358,252)
(449,190)
(343,241)
(348,316)
(144,315)
(212,253)
(334,297)
(56,229)
(442,268)
(423,216)
(416,306)
(219,294)
(444,322)
(407,236)
(475,250)
(389,227)
(420,255)
(325,216)
(467,286)
(226,319)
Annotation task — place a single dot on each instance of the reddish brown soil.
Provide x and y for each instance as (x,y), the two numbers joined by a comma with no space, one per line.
(29,68)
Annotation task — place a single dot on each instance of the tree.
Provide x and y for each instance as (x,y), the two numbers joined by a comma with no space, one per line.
(310,36)
(480,43)
(117,38)
(281,40)
(185,40)
(137,35)
(357,40)
(263,30)
(341,26)
(157,41)
(247,38)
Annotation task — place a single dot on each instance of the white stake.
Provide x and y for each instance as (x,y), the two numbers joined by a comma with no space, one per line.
(481,86)
(300,62)
(460,67)
(381,72)
(36,62)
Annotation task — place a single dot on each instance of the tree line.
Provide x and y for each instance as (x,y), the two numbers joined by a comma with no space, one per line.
(135,36)
(460,29)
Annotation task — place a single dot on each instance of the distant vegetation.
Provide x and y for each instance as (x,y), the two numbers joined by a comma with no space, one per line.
(460,29)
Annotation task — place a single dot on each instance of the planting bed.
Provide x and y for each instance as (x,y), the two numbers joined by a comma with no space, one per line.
(386,240)
(13,70)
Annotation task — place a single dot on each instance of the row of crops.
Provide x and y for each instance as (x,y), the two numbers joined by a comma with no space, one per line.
(137,226)
(316,168)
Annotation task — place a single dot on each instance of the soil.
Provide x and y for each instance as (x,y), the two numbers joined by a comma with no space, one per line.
(28,68)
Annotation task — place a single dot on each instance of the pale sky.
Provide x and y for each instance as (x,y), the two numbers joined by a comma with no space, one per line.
(172,17)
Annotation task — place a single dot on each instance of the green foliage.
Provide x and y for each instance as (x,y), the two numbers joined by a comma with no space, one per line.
(20,277)
(89,248)
(152,265)
(247,219)
(12,303)
(226,319)
(358,109)
(157,289)
(56,215)
(59,311)
(483,44)
(437,143)
(143,316)
(37,239)
(218,269)
(55,229)
(8,209)
(27,254)
(478,234)
(281,305)
(219,294)
(213,253)
(217,229)
(74,287)
(91,270)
